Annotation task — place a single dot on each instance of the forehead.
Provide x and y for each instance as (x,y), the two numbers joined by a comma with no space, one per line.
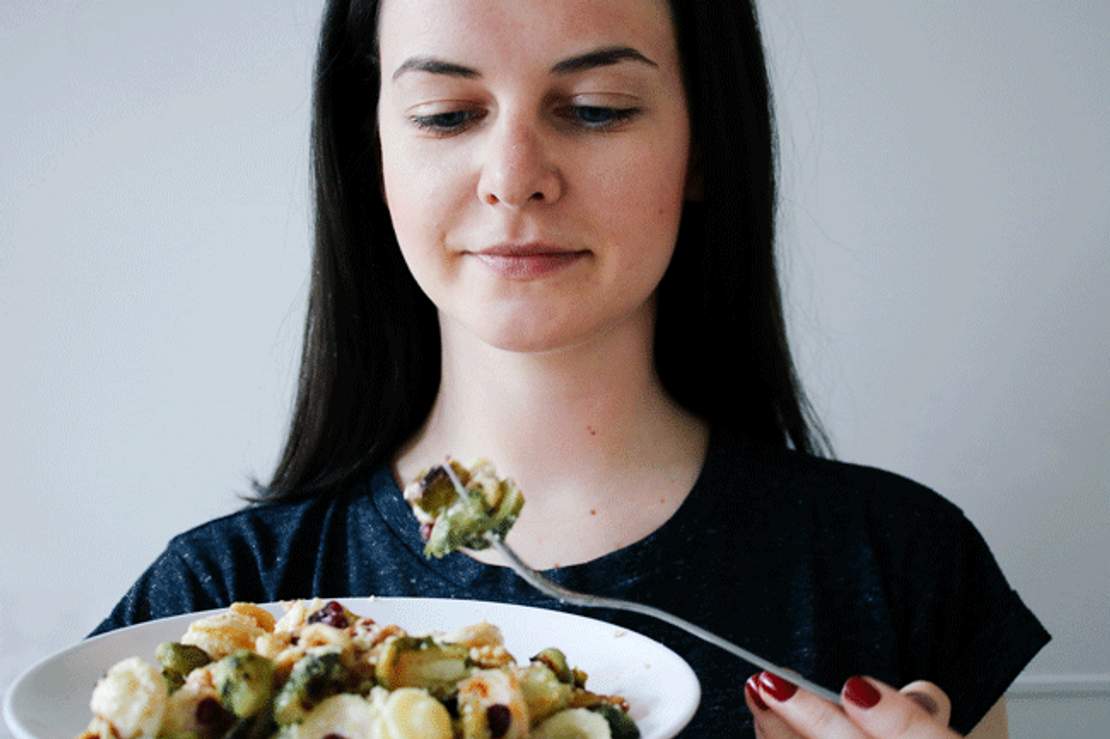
(520,34)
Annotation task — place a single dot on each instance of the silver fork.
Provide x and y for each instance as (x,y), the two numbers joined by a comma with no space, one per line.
(564,595)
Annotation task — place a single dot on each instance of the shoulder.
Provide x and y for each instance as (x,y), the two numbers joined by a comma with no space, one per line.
(212,564)
(830,493)
(897,576)
(275,534)
(262,521)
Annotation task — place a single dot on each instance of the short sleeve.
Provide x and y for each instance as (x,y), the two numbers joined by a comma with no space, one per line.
(970,632)
(170,586)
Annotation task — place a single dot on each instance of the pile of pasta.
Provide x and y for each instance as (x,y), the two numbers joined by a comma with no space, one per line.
(324,672)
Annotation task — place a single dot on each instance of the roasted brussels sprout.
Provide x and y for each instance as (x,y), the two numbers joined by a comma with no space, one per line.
(452,519)
(557,662)
(260,726)
(463,524)
(314,678)
(542,690)
(508,510)
(621,726)
(421,662)
(434,493)
(244,682)
(178,660)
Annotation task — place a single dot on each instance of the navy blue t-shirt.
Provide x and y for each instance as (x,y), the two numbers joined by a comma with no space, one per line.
(827,568)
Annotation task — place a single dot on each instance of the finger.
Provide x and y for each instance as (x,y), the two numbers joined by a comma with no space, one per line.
(884,712)
(931,698)
(804,712)
(767,724)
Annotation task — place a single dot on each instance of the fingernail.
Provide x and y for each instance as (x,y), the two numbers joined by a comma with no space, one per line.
(925,702)
(753,692)
(861,692)
(780,689)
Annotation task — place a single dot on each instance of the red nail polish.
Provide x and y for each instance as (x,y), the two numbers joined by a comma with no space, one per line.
(753,692)
(780,689)
(861,692)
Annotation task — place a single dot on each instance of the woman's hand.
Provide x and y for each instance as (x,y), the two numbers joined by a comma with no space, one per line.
(870,709)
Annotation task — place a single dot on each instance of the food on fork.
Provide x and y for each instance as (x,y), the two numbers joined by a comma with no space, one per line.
(456,516)
(322,671)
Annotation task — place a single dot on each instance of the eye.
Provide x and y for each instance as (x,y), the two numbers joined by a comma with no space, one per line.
(448,122)
(598,117)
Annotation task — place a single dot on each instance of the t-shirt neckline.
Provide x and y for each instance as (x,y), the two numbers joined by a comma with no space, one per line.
(463,571)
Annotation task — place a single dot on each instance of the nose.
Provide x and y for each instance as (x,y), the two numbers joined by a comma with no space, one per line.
(517,169)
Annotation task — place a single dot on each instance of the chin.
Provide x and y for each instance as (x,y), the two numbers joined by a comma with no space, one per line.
(524,338)
(529,343)
(551,327)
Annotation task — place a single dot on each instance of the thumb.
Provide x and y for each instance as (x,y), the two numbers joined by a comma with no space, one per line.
(931,698)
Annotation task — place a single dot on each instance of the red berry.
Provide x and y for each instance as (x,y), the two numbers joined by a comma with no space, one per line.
(499,719)
(331,614)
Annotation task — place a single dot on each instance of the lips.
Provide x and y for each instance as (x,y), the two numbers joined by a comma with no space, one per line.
(528,261)
(531,249)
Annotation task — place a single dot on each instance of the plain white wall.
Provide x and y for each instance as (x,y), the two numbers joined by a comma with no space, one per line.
(946,176)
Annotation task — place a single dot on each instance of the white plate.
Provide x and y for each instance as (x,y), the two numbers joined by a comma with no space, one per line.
(51,699)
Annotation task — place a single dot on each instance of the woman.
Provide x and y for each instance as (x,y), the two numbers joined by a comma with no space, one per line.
(545,235)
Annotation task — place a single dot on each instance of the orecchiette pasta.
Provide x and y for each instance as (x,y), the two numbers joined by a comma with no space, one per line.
(322,671)
(222,634)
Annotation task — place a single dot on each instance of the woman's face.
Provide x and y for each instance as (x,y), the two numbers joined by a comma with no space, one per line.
(534,156)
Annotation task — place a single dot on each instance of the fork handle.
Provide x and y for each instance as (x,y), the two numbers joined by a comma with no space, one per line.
(563,595)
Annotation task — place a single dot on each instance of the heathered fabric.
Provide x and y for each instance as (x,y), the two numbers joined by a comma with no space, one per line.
(827,568)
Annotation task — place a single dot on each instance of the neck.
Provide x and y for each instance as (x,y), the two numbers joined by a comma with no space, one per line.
(573,426)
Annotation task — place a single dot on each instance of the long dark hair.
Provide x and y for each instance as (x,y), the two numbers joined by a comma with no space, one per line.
(371,353)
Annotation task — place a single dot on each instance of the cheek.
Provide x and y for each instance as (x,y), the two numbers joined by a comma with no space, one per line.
(419,202)
(407,191)
(642,208)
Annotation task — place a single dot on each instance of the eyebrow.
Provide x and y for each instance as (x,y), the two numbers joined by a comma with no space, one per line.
(603,57)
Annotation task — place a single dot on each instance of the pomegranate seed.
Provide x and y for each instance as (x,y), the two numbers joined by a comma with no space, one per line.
(499,718)
(331,614)
(210,712)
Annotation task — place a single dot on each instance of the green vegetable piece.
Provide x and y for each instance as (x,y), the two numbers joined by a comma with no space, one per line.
(260,726)
(314,678)
(437,491)
(173,681)
(178,660)
(421,662)
(363,686)
(466,515)
(543,692)
(507,511)
(245,682)
(557,662)
(181,658)
(463,524)
(621,726)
